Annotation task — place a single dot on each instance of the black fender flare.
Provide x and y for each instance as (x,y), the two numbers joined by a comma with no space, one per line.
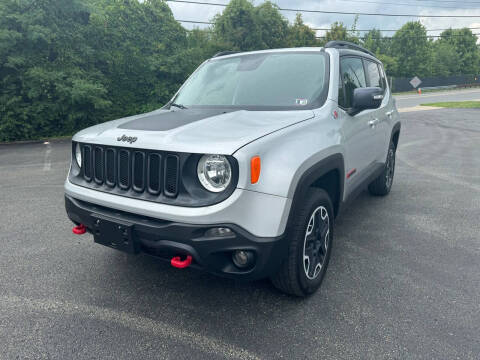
(324,166)
(396,129)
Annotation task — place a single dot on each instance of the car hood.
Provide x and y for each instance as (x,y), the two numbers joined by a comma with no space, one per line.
(192,130)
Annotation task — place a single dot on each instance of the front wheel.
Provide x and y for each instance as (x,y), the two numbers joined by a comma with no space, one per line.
(382,185)
(310,246)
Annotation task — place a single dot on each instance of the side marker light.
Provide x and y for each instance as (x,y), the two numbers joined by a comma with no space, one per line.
(255,167)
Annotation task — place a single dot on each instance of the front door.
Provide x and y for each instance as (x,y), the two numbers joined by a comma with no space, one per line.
(358,130)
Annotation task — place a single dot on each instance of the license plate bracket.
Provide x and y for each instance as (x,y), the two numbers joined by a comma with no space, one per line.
(114,233)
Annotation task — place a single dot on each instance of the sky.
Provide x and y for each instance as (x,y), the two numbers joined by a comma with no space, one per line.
(196,12)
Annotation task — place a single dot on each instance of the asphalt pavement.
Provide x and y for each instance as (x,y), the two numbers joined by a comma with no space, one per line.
(403,281)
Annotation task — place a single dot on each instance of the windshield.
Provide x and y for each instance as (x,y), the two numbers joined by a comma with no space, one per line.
(289,79)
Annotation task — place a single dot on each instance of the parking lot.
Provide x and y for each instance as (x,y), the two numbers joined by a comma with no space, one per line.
(403,281)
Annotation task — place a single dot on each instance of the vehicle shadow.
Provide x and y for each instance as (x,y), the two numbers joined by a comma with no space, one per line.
(223,308)
(155,278)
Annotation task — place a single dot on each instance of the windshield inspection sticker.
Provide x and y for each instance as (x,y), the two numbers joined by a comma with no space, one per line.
(302,102)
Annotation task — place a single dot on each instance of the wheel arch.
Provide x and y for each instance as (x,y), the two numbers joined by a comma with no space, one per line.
(395,136)
(327,174)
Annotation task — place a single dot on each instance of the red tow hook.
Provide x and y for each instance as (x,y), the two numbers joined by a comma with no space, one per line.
(79,229)
(178,263)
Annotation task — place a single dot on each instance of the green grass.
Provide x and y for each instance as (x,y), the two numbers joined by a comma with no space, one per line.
(456,104)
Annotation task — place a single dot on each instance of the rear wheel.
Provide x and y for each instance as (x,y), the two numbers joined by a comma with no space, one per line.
(382,185)
(311,235)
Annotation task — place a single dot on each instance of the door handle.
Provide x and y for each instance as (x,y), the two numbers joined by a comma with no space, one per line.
(389,113)
(373,122)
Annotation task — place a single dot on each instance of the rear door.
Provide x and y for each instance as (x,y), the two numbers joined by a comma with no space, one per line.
(357,130)
(378,117)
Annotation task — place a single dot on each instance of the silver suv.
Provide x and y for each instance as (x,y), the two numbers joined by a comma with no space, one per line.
(243,172)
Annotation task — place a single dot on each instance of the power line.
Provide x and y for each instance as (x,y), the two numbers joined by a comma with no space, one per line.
(337,12)
(407,37)
(451,1)
(195,22)
(409,4)
(328,29)
(395,30)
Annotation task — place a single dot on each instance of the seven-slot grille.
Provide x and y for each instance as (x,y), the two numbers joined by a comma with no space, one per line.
(131,169)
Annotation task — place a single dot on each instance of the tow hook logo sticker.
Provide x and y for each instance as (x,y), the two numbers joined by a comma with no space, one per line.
(129,139)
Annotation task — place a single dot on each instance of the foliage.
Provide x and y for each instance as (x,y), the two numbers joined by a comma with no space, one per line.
(300,35)
(338,31)
(412,49)
(68,64)
(446,60)
(272,25)
(464,43)
(49,83)
(237,27)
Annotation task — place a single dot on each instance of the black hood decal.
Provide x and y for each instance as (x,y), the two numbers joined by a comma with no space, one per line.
(164,121)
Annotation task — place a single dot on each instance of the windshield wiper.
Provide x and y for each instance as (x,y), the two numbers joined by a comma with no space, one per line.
(180,106)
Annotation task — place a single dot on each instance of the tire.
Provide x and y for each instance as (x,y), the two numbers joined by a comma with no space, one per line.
(307,237)
(382,185)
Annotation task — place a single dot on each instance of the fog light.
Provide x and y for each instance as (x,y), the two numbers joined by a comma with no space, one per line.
(218,232)
(242,258)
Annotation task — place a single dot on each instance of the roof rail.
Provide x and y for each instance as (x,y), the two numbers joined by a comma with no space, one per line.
(224,53)
(348,45)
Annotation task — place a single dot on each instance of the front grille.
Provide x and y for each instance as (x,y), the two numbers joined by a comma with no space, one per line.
(99,162)
(140,171)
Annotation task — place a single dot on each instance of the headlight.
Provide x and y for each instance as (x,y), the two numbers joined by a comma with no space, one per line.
(78,155)
(214,172)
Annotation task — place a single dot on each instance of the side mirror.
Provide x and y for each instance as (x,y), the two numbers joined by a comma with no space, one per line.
(367,98)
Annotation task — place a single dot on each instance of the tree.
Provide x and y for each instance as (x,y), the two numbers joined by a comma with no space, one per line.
(338,31)
(464,43)
(390,64)
(300,34)
(138,46)
(412,49)
(68,64)
(49,84)
(446,60)
(237,27)
(272,25)
(375,42)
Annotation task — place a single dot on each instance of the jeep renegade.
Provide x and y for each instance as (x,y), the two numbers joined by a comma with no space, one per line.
(243,172)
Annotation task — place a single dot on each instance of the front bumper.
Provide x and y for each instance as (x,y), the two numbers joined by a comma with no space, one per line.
(262,215)
(166,239)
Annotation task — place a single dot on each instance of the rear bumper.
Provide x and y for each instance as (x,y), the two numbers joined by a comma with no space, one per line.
(165,239)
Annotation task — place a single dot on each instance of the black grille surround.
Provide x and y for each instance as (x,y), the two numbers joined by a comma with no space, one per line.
(151,175)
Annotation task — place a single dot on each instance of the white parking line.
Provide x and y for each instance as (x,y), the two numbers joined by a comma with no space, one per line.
(129,320)
(418,108)
(47,161)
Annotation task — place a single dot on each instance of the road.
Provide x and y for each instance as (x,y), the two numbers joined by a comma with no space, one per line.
(403,281)
(406,101)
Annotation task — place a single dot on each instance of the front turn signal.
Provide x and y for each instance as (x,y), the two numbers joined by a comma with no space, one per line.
(255,166)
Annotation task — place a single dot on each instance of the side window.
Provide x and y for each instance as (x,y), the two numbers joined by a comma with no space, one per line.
(384,77)
(341,92)
(353,77)
(373,73)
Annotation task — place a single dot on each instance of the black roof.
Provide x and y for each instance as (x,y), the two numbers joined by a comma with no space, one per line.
(348,48)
